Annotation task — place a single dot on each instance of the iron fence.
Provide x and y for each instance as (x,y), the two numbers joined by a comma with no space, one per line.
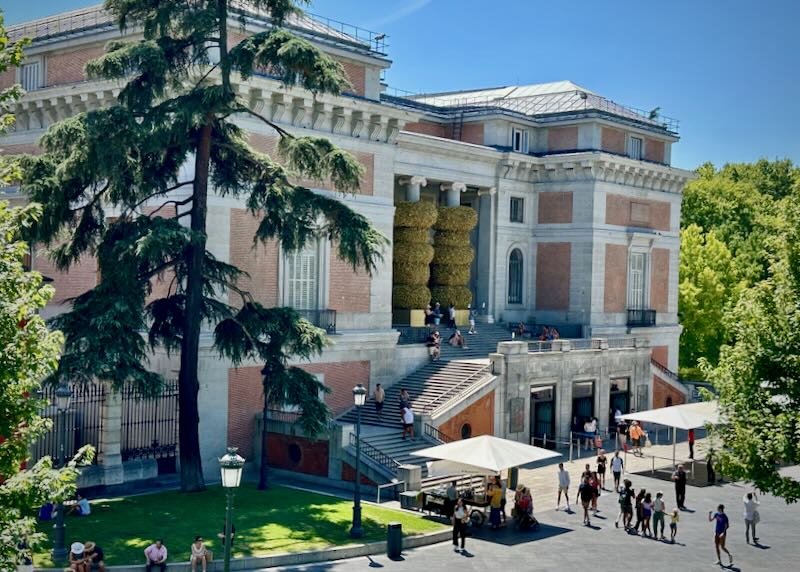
(150,424)
(413,334)
(434,433)
(641,317)
(82,422)
(375,454)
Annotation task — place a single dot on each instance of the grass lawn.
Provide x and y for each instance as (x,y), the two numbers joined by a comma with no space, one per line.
(277,520)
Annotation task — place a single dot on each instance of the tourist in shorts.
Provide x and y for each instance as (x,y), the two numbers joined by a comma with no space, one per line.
(408,422)
(601,468)
(563,486)
(721,525)
(674,519)
(586,493)
(616,468)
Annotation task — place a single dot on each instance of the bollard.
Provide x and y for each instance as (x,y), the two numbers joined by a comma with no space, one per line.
(394,540)
(570,447)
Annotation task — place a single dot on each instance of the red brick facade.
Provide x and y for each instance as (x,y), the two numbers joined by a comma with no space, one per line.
(562,138)
(313,454)
(552,276)
(349,474)
(660,354)
(626,211)
(428,128)
(616,279)
(349,291)
(70,67)
(659,279)
(555,208)
(259,260)
(479,416)
(664,394)
(612,140)
(357,75)
(654,150)
(472,133)
(81,277)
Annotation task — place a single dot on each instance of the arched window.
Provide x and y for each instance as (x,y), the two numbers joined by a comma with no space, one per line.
(515,277)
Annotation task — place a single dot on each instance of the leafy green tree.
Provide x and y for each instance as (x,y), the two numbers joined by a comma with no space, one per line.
(708,285)
(758,376)
(177,108)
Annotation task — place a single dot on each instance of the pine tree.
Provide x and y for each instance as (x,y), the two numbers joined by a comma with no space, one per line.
(178,108)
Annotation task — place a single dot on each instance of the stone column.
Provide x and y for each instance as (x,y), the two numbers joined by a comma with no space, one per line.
(486,253)
(413,185)
(453,193)
(110,456)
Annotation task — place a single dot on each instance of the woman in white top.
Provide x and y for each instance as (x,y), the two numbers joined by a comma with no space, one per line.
(460,520)
(751,516)
(199,553)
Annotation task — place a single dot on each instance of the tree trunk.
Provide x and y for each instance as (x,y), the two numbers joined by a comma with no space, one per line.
(263,469)
(188,385)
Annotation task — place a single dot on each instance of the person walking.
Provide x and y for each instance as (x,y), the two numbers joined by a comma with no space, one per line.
(451,316)
(408,422)
(617,465)
(595,483)
(437,314)
(460,519)
(626,496)
(638,509)
(659,514)
(495,494)
(691,444)
(647,513)
(588,434)
(450,501)
(563,486)
(473,314)
(679,478)
(637,436)
(720,533)
(674,519)
(601,468)
(379,397)
(751,516)
(586,493)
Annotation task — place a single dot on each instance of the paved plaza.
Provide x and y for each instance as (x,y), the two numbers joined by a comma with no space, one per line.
(563,543)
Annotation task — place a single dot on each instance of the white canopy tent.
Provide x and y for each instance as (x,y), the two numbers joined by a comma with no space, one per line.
(688,416)
(483,455)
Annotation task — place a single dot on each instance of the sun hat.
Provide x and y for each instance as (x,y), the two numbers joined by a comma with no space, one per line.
(76,548)
(89,546)
(520,488)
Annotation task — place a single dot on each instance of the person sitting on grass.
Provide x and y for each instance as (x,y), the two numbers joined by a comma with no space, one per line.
(457,340)
(156,555)
(77,558)
(94,556)
(199,553)
(81,507)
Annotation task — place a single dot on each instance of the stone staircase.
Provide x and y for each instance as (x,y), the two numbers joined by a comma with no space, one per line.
(479,345)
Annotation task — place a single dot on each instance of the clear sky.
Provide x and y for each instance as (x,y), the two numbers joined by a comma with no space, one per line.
(729,70)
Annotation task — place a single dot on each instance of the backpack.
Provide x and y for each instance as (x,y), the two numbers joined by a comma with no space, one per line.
(623,496)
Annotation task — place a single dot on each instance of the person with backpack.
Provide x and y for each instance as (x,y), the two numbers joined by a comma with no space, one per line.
(586,494)
(721,524)
(626,495)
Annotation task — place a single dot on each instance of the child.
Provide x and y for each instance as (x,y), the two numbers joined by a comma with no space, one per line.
(673,525)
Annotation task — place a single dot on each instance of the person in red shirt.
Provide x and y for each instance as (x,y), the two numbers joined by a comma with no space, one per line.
(691,443)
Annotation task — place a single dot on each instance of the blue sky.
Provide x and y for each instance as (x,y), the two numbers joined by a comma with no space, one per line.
(729,70)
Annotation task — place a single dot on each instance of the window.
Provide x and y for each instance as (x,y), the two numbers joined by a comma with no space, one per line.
(295,453)
(302,272)
(519,140)
(466,431)
(635,146)
(515,277)
(636,280)
(30,76)
(517,208)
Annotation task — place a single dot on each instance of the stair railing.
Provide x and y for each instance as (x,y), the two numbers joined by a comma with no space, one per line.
(434,433)
(455,390)
(376,455)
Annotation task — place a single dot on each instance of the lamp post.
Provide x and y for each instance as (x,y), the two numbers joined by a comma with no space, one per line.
(63,398)
(230,465)
(359,397)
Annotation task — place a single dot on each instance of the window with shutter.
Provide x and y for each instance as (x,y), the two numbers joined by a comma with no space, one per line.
(637,276)
(30,76)
(302,268)
(635,146)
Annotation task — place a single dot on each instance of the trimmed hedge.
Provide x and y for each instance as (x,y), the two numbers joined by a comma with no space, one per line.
(411,274)
(415,235)
(410,253)
(450,275)
(452,255)
(410,297)
(451,238)
(456,218)
(458,295)
(415,215)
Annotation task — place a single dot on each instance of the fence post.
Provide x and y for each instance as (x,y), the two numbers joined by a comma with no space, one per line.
(544,441)
(110,456)
(570,446)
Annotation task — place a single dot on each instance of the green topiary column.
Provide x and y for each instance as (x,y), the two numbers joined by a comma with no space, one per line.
(412,254)
(452,256)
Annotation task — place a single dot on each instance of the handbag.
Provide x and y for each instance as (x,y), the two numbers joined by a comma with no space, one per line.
(756,517)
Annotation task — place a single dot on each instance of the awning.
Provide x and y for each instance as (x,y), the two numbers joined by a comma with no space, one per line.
(483,454)
(689,416)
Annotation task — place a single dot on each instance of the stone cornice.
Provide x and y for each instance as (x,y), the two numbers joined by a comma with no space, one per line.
(289,107)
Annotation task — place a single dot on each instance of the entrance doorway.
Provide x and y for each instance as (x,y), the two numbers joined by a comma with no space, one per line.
(543,416)
(582,403)
(619,399)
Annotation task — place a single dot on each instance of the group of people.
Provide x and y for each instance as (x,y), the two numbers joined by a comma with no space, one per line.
(434,343)
(84,557)
(79,507)
(548,334)
(434,315)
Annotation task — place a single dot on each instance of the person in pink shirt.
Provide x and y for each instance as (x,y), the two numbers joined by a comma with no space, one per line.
(156,555)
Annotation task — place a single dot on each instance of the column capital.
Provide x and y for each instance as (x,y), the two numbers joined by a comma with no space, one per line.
(414,180)
(489,191)
(456,187)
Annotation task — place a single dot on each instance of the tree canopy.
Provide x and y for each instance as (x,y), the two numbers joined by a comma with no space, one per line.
(178,108)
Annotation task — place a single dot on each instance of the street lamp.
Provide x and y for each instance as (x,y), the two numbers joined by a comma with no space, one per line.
(230,465)
(359,397)
(63,399)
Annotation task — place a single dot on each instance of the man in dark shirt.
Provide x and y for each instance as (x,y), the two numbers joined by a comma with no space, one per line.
(94,556)
(586,493)
(679,478)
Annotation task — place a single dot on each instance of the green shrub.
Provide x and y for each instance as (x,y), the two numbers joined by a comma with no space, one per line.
(421,254)
(456,218)
(451,238)
(458,295)
(450,275)
(404,235)
(452,255)
(411,273)
(410,297)
(415,215)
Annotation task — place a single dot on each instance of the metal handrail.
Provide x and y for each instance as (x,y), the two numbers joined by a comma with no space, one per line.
(375,454)
(434,433)
(389,485)
(455,390)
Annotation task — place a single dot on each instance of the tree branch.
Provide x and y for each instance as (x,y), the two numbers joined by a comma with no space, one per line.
(161,192)
(280,130)
(186,201)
